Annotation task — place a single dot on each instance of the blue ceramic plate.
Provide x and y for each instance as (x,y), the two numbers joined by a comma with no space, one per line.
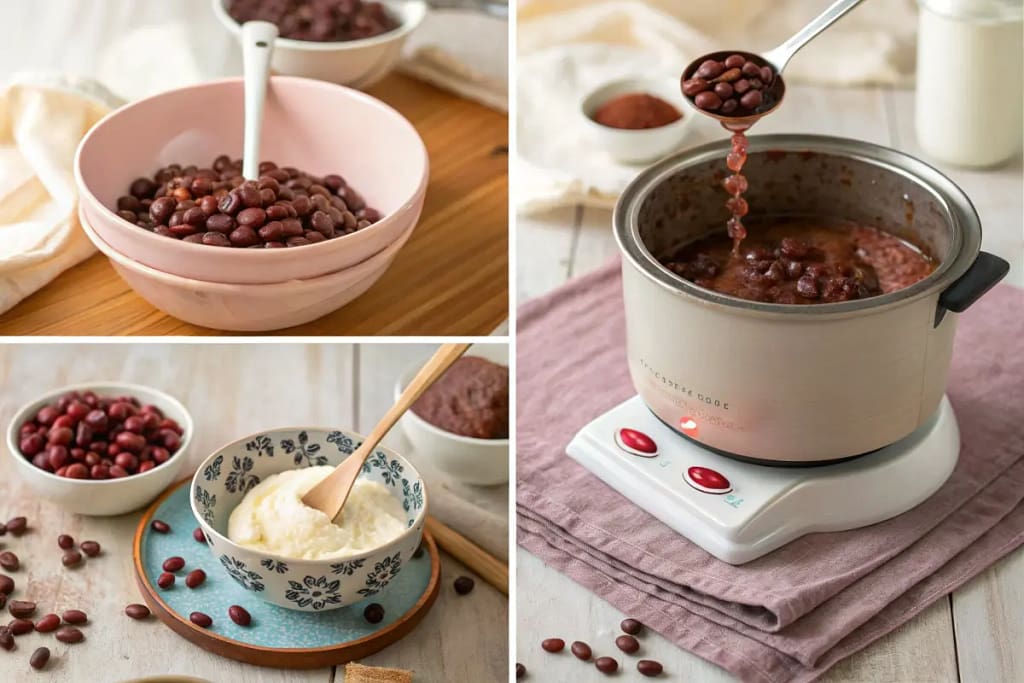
(277,636)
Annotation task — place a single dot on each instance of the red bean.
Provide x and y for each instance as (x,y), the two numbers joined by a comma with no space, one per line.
(552,644)
(632,626)
(627,644)
(136,611)
(581,650)
(606,665)
(39,657)
(20,626)
(239,615)
(6,585)
(75,616)
(160,526)
(72,558)
(165,580)
(48,623)
(90,548)
(649,667)
(200,619)
(9,561)
(708,101)
(69,634)
(21,608)
(174,564)
(195,578)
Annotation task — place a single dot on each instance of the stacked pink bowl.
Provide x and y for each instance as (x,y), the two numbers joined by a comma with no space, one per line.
(318,127)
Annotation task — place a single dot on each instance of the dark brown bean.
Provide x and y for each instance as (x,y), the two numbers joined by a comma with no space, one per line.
(200,619)
(39,658)
(552,644)
(322,223)
(373,613)
(709,68)
(165,580)
(72,558)
(606,665)
(90,548)
(16,526)
(142,188)
(6,639)
(21,608)
(729,76)
(627,644)
(65,542)
(6,584)
(581,650)
(729,106)
(631,626)
(751,69)
(253,217)
(198,535)
(767,75)
(162,209)
(250,196)
(195,578)
(463,585)
(137,611)
(220,222)
(48,623)
(708,101)
(20,626)
(752,99)
(649,667)
(160,526)
(733,61)
(520,670)
(694,86)
(69,634)
(9,561)
(174,564)
(75,616)
(723,90)
(241,616)
(3,600)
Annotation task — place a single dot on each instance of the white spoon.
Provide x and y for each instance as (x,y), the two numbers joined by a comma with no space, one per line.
(257,48)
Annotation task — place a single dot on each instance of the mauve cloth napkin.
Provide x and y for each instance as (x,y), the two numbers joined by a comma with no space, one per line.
(792,614)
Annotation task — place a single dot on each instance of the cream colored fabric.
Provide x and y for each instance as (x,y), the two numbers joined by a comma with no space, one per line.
(42,119)
(357,673)
(567,48)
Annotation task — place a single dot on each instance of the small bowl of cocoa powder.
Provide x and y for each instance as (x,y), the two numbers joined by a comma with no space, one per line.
(636,120)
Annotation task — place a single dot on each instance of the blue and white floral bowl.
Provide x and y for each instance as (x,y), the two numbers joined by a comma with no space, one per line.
(224,478)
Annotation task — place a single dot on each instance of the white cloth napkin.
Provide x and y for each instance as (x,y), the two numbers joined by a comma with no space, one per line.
(567,48)
(42,119)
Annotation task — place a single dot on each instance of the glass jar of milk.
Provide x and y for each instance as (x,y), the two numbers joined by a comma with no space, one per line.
(970,80)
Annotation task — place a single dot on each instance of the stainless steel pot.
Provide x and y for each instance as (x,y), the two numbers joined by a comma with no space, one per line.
(785,384)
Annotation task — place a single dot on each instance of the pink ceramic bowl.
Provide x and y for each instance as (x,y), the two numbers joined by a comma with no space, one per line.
(248,308)
(314,126)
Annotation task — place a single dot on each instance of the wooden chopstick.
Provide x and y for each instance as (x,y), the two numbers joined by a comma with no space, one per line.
(487,567)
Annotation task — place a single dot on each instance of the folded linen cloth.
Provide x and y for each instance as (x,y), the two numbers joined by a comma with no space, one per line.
(567,48)
(793,613)
(42,119)
(358,673)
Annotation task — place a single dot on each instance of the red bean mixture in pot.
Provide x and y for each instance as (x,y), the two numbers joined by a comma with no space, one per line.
(217,207)
(85,436)
(470,399)
(636,111)
(317,20)
(803,261)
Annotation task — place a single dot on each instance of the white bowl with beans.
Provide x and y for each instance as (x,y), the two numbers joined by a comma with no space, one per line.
(102,497)
(356,63)
(483,462)
(635,146)
(229,473)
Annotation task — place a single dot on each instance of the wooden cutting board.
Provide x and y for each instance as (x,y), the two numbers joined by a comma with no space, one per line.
(450,279)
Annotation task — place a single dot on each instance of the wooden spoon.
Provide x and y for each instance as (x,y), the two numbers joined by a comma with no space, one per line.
(329,495)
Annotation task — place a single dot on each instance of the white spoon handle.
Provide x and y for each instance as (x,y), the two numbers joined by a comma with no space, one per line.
(257,48)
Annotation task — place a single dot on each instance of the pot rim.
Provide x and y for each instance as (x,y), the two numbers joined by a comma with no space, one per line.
(960,213)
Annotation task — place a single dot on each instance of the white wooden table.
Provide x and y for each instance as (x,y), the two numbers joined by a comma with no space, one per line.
(231,390)
(976,635)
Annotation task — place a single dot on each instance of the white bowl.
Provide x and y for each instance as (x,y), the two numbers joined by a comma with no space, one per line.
(224,478)
(636,146)
(106,496)
(356,63)
(473,461)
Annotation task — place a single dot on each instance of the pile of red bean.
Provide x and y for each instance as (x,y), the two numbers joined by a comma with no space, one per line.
(627,643)
(85,436)
(216,206)
(734,86)
(317,20)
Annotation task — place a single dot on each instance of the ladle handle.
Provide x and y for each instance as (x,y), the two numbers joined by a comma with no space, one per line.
(781,55)
(257,48)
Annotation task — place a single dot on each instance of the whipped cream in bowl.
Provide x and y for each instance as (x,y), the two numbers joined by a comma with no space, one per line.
(247,497)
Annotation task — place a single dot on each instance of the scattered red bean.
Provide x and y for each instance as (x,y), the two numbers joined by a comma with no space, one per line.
(90,548)
(198,534)
(649,667)
(20,626)
(6,638)
(160,526)
(165,580)
(39,658)
(69,634)
(3,600)
(463,585)
(6,584)
(9,561)
(627,644)
(606,665)
(21,608)
(200,619)
(75,616)
(241,616)
(136,611)
(72,558)
(48,623)
(373,613)
(16,526)
(195,578)
(581,650)
(65,542)
(174,564)
(552,644)
(631,626)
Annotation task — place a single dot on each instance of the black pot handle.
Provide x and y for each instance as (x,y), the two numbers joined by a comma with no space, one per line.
(982,276)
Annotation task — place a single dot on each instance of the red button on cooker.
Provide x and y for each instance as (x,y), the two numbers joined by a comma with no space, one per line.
(636,443)
(707,480)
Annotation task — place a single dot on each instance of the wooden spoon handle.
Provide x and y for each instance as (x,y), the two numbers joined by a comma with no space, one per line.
(489,568)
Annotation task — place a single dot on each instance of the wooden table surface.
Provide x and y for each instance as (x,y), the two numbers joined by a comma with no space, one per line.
(451,278)
(975,635)
(231,390)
